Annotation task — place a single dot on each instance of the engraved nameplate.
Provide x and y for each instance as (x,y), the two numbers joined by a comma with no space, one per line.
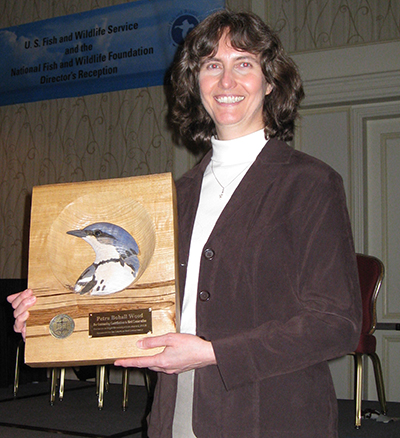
(125,322)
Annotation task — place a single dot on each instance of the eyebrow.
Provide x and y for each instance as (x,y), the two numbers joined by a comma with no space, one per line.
(239,58)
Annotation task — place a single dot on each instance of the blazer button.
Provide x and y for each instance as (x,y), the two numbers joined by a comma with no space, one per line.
(204,295)
(209,254)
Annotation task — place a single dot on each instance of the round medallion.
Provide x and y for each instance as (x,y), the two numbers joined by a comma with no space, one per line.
(61,326)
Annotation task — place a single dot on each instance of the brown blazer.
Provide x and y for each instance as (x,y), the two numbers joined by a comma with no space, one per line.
(278,296)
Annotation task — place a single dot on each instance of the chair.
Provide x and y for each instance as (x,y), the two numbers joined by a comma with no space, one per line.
(371,272)
(17,367)
(58,379)
(56,374)
(125,385)
(102,381)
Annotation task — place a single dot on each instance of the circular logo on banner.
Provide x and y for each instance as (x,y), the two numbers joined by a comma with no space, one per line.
(181,26)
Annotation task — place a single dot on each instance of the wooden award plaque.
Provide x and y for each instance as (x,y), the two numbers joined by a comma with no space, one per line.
(102,263)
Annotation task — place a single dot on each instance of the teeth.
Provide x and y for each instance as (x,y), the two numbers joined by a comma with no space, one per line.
(229,99)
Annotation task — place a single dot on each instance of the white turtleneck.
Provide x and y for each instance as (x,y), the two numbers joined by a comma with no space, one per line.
(229,163)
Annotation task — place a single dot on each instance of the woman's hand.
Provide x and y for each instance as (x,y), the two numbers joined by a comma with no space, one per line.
(21,302)
(182,352)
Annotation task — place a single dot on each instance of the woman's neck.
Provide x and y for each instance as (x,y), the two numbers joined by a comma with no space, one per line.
(242,149)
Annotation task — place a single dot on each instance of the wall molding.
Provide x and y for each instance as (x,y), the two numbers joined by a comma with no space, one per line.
(348,75)
(387,342)
(359,116)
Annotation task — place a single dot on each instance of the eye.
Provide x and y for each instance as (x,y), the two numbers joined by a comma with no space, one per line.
(245,64)
(212,66)
(97,233)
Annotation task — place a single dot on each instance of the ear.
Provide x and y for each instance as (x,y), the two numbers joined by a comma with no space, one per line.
(268,90)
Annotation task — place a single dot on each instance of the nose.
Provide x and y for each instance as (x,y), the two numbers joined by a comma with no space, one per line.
(227,80)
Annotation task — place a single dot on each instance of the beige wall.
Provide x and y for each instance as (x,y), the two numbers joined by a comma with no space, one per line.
(305,25)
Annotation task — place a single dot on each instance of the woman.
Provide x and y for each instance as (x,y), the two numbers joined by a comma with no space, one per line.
(267,266)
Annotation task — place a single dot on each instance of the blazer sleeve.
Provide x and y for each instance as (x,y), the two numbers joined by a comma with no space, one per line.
(325,293)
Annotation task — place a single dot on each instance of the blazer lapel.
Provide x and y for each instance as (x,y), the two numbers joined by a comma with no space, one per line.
(261,174)
(188,190)
(258,178)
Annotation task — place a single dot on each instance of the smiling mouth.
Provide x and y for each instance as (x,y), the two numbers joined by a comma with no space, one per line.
(229,99)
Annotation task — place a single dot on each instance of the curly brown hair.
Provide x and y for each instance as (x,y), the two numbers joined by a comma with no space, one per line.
(247,32)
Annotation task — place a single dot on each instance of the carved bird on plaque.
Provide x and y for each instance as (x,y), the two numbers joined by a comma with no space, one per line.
(116,265)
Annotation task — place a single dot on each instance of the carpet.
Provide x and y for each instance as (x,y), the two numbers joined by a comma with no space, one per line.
(370,428)
(31,416)
(77,415)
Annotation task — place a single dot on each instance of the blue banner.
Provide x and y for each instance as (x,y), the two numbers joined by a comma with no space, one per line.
(109,49)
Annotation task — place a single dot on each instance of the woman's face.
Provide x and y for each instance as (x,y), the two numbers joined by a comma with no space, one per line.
(232,90)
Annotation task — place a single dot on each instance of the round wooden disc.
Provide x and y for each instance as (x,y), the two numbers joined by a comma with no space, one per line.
(69,256)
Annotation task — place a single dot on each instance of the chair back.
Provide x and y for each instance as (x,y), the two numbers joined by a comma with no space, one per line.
(371,272)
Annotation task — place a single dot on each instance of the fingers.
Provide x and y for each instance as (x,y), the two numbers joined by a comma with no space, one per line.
(151,362)
(21,302)
(26,296)
(20,324)
(156,341)
(137,362)
(14,297)
(144,361)
(154,363)
(182,352)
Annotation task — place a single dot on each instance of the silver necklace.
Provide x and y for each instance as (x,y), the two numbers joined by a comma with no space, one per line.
(230,182)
